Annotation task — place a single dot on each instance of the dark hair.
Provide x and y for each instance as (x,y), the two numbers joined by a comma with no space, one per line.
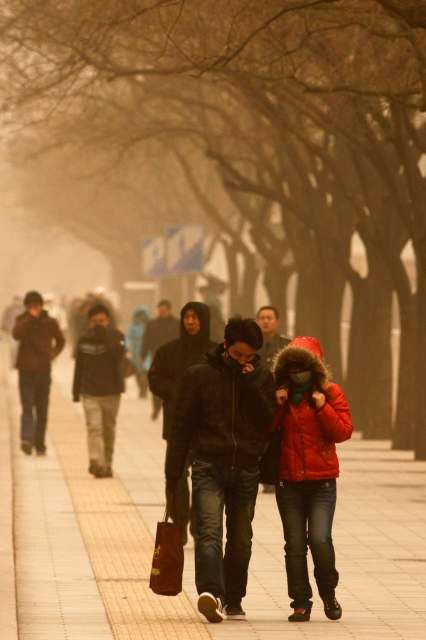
(165,303)
(243,330)
(33,297)
(268,307)
(99,308)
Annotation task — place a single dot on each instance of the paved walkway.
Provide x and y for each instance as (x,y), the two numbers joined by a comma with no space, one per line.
(84,546)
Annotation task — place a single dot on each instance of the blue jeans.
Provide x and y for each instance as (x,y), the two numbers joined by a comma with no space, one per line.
(34,388)
(216,489)
(307,511)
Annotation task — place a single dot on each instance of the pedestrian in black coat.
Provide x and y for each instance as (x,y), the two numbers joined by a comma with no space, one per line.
(223,412)
(165,377)
(159,331)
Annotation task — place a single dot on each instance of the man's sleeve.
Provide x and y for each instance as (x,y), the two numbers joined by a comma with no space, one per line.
(76,387)
(260,394)
(146,342)
(23,325)
(185,424)
(160,382)
(115,343)
(59,339)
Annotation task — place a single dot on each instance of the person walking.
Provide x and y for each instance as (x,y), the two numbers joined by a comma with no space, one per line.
(40,342)
(223,412)
(268,319)
(134,341)
(10,313)
(313,415)
(159,331)
(98,382)
(165,377)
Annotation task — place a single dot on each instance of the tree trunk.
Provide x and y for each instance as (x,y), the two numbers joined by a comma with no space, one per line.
(404,427)
(246,301)
(420,361)
(276,282)
(319,298)
(232,263)
(369,376)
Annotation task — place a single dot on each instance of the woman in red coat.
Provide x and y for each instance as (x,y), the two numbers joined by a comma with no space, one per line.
(313,415)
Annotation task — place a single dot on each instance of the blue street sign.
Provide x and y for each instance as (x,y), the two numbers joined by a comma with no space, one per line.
(154,257)
(184,249)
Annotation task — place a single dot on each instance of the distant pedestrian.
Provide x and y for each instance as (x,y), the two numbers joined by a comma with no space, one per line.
(40,341)
(134,341)
(268,319)
(10,313)
(224,409)
(165,378)
(313,415)
(160,330)
(98,381)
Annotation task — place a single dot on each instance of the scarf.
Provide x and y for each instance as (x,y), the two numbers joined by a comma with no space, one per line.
(299,391)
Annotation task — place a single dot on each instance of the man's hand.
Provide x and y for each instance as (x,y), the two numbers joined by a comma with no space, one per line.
(248,368)
(319,399)
(281,396)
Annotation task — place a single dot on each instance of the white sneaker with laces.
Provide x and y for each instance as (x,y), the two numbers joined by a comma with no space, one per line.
(210,607)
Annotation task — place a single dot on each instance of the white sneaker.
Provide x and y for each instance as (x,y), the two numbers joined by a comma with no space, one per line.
(210,607)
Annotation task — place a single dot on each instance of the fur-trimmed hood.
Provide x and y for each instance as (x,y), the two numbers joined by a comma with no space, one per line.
(303,354)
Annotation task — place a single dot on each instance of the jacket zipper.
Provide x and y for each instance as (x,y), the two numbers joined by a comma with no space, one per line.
(234,411)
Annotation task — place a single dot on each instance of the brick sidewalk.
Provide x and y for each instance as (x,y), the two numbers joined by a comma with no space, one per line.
(380,538)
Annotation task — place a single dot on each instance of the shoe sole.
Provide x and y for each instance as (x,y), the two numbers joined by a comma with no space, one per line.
(207,606)
(238,616)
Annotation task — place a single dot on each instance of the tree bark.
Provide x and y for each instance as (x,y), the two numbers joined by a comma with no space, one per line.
(369,374)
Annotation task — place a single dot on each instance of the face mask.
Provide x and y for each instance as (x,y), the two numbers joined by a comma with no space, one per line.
(302,377)
(233,364)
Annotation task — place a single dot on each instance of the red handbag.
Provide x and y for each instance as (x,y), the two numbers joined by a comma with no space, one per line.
(168,559)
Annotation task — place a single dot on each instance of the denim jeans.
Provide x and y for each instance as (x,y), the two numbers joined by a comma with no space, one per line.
(307,511)
(34,388)
(216,490)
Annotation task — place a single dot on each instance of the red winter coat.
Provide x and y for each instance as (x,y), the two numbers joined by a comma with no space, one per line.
(308,450)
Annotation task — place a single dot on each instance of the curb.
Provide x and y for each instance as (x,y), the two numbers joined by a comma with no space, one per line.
(8,609)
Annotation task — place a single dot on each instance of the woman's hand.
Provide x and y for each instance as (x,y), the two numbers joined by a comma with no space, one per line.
(281,396)
(319,399)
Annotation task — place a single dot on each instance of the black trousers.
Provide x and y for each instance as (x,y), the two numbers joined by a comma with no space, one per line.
(34,389)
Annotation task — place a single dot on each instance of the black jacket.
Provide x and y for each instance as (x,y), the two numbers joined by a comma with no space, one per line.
(99,363)
(159,331)
(173,359)
(222,415)
(40,341)
(271,348)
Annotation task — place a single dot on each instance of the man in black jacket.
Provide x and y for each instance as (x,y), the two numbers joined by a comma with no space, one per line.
(160,330)
(268,319)
(98,380)
(223,412)
(165,377)
(40,342)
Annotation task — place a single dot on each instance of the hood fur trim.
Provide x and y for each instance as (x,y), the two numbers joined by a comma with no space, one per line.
(304,360)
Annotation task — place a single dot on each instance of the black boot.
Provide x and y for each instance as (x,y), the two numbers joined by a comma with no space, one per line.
(332,608)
